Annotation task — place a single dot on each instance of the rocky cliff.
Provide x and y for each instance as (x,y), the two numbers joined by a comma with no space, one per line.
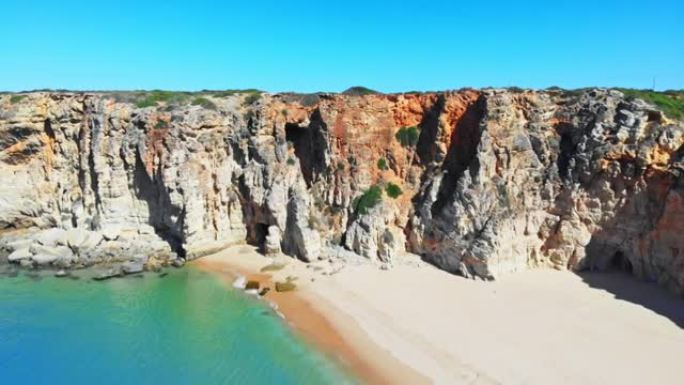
(480,183)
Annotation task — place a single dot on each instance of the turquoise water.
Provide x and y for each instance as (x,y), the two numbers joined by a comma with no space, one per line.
(184,328)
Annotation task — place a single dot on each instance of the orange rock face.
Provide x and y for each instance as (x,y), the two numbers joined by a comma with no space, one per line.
(498,180)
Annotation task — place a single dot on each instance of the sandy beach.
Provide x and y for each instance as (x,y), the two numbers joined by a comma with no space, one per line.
(415,324)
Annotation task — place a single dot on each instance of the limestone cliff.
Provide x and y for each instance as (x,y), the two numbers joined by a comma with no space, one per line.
(495,180)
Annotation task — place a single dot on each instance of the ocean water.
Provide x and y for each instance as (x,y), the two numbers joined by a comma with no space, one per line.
(183,328)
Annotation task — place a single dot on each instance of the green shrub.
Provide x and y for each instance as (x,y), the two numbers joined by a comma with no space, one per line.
(309,100)
(204,103)
(408,136)
(161,124)
(252,98)
(291,161)
(224,93)
(367,200)
(670,102)
(393,190)
(151,99)
(359,91)
(382,164)
(16,98)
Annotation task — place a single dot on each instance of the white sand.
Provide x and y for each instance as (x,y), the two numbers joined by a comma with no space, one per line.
(536,327)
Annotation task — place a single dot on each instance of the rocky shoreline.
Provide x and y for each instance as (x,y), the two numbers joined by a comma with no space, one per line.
(480,183)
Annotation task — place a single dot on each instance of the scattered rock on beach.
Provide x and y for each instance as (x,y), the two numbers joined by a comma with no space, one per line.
(273,267)
(240,283)
(285,286)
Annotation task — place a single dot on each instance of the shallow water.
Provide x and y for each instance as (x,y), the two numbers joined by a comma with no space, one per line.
(184,328)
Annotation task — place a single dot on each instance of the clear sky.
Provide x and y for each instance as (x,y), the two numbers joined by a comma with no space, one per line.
(330,45)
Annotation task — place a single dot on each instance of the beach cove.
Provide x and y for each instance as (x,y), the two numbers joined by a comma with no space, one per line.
(415,324)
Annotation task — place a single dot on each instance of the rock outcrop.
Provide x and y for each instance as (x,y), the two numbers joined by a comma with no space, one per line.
(496,180)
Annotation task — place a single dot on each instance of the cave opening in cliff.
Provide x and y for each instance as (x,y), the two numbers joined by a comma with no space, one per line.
(309,144)
(567,149)
(259,235)
(47,127)
(620,262)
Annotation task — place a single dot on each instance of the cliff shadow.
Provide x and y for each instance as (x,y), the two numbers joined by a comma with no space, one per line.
(310,145)
(613,264)
(160,209)
(462,152)
(624,286)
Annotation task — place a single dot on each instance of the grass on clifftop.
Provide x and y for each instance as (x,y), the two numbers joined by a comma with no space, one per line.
(670,102)
(16,98)
(151,98)
(204,103)
(359,91)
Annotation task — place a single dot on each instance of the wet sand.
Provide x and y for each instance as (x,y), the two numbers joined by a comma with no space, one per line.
(344,342)
(416,324)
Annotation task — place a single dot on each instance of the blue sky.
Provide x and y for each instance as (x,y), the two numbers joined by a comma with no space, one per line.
(331,45)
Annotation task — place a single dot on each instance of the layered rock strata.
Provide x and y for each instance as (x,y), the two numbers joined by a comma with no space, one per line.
(497,180)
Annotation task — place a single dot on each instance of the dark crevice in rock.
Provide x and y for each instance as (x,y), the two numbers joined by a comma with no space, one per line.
(429,132)
(465,140)
(152,191)
(256,228)
(258,236)
(47,126)
(310,145)
(566,149)
(620,262)
(94,181)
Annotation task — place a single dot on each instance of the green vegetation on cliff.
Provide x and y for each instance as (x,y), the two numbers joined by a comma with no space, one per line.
(16,98)
(150,99)
(408,136)
(204,103)
(392,190)
(367,200)
(359,91)
(382,164)
(670,102)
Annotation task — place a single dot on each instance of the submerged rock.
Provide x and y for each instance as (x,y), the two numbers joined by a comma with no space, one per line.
(132,267)
(61,273)
(107,273)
